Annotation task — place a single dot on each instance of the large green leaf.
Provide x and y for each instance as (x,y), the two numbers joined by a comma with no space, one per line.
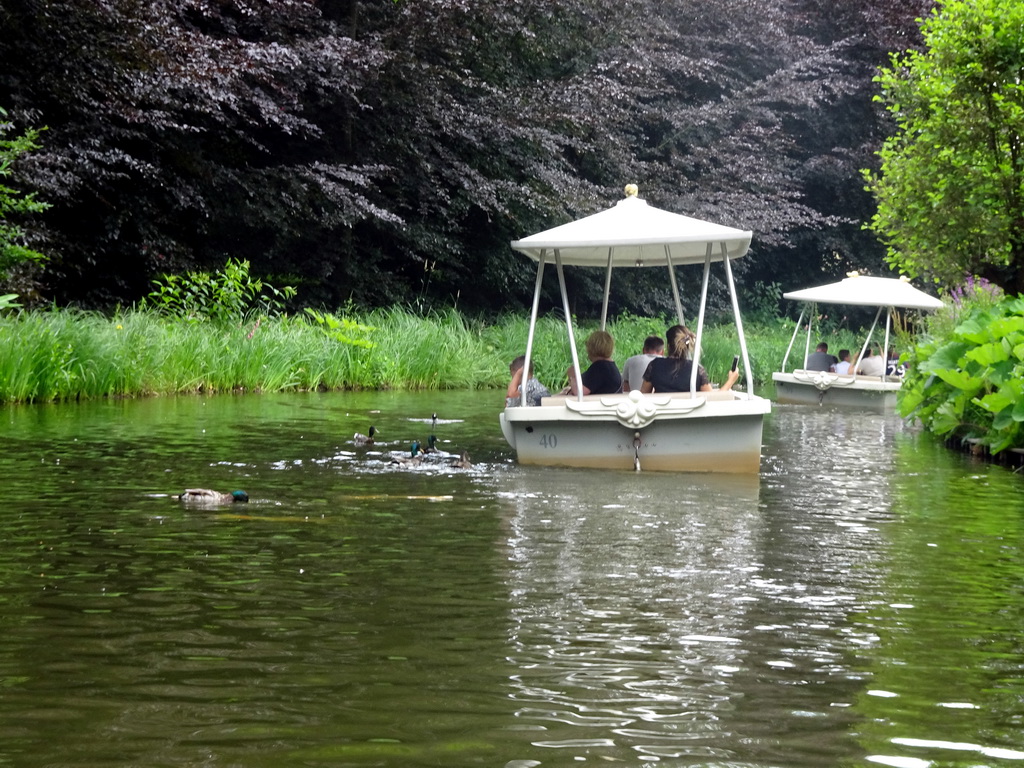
(1008,438)
(994,402)
(948,355)
(989,354)
(945,419)
(961,380)
(1006,327)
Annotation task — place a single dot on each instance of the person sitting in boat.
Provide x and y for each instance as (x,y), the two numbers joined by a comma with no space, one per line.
(633,370)
(821,360)
(672,373)
(843,366)
(869,365)
(602,377)
(892,365)
(534,389)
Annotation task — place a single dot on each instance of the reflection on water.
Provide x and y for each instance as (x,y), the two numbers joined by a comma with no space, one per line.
(629,611)
(859,603)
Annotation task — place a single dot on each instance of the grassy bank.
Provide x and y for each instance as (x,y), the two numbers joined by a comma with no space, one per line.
(69,354)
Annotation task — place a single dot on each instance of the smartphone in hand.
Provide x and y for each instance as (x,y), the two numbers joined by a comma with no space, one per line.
(735,362)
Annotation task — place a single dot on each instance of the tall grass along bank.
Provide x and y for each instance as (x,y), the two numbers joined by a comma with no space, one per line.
(70,354)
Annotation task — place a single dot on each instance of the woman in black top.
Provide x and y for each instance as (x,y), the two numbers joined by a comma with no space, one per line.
(672,373)
(602,377)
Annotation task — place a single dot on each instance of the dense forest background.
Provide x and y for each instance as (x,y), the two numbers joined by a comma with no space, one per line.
(387,151)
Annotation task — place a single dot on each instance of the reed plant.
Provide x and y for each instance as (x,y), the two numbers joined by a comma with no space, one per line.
(65,354)
(227,331)
(442,350)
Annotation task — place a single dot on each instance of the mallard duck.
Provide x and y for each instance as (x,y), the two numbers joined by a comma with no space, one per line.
(360,439)
(414,456)
(462,462)
(208,497)
(435,455)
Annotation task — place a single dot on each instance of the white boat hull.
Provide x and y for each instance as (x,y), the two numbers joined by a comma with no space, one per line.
(824,388)
(713,432)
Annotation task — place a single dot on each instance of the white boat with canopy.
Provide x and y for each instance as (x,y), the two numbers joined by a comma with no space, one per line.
(681,431)
(820,387)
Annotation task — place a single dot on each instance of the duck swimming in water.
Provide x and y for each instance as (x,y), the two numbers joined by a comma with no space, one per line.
(360,439)
(434,454)
(210,498)
(462,462)
(414,456)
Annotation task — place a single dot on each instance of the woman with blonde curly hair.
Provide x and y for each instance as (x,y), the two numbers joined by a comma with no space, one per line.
(672,373)
(602,377)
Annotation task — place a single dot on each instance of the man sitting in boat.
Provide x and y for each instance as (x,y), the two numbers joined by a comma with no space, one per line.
(672,373)
(602,377)
(633,370)
(821,360)
(534,389)
(870,365)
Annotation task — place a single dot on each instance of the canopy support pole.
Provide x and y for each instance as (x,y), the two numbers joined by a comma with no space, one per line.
(885,347)
(568,326)
(748,375)
(524,400)
(810,328)
(607,290)
(675,286)
(700,320)
(792,341)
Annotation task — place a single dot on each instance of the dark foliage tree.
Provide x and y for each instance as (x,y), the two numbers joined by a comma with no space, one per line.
(181,133)
(385,152)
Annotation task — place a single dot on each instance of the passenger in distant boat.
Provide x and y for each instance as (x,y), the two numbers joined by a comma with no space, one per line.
(821,360)
(843,366)
(892,365)
(602,377)
(672,373)
(534,389)
(633,370)
(870,365)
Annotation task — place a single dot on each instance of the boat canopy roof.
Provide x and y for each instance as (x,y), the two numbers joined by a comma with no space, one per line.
(864,290)
(635,234)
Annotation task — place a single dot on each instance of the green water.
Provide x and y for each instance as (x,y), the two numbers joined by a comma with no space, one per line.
(858,604)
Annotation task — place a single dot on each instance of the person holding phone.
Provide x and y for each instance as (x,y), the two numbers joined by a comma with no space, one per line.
(672,373)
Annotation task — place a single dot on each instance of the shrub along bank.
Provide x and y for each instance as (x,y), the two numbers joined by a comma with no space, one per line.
(966,376)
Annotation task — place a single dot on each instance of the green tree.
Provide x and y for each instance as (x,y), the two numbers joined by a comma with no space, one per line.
(14,202)
(949,190)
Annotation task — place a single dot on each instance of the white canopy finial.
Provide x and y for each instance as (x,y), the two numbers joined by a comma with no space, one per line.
(631,190)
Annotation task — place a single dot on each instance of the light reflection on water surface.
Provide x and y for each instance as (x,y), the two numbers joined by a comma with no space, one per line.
(857,604)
